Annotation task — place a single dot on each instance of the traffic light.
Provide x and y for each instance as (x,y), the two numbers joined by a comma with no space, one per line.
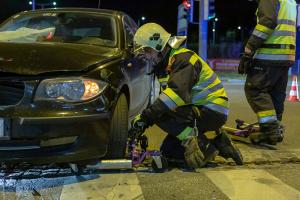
(184,10)
(211,9)
(183,14)
(187,4)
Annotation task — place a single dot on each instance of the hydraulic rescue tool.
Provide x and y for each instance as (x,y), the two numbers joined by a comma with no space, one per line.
(245,133)
(138,156)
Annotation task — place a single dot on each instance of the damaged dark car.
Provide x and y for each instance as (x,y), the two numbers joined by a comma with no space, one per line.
(69,85)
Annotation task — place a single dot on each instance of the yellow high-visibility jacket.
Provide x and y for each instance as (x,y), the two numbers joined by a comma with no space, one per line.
(274,37)
(188,80)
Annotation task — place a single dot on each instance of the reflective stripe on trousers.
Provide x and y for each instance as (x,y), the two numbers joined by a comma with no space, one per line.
(266,116)
(263,120)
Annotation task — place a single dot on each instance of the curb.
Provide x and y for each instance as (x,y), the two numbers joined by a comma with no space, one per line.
(260,156)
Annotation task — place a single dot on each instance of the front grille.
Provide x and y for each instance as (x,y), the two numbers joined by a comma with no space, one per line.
(11,92)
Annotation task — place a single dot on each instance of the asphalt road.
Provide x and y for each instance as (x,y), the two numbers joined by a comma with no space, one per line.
(241,110)
(267,174)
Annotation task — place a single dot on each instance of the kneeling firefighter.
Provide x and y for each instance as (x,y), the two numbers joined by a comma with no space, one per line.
(192,101)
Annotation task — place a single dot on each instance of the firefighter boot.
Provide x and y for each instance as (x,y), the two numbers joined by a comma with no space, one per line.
(270,133)
(281,126)
(281,132)
(173,151)
(209,150)
(171,148)
(227,149)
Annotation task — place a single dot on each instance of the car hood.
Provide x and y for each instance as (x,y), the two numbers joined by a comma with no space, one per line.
(38,58)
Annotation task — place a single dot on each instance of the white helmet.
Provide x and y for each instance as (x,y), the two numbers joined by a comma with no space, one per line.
(152,35)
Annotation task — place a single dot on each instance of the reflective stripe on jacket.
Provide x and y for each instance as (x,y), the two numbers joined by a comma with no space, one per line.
(274,37)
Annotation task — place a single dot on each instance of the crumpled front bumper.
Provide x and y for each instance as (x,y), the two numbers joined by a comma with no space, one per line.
(56,139)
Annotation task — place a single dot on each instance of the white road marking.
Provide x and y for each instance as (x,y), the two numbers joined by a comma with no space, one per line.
(252,185)
(123,186)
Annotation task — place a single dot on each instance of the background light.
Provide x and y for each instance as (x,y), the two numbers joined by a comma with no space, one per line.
(186,4)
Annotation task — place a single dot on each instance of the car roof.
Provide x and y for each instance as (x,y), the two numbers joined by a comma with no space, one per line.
(83,10)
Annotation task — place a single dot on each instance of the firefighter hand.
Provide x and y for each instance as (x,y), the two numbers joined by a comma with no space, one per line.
(193,155)
(245,63)
(139,124)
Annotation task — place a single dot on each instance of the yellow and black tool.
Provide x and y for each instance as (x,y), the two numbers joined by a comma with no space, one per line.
(244,133)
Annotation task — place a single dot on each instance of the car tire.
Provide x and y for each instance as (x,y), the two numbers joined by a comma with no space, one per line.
(118,129)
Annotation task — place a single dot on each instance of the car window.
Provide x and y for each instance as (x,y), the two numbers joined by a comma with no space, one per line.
(130,29)
(65,27)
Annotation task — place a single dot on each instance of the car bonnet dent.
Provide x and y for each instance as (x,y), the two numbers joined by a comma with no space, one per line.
(35,59)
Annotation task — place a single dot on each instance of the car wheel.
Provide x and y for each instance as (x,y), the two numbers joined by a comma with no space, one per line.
(118,130)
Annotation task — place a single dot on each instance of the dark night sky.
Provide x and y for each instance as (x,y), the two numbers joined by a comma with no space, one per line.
(230,12)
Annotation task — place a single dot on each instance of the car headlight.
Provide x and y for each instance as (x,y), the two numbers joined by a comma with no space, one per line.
(69,89)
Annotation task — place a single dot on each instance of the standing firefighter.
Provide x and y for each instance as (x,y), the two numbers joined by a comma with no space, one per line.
(192,101)
(269,53)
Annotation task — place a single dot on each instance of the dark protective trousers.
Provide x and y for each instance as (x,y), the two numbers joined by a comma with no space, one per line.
(174,123)
(265,89)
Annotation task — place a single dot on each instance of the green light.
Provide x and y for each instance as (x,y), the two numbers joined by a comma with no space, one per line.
(212,16)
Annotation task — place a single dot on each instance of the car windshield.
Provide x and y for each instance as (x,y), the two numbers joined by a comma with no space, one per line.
(77,28)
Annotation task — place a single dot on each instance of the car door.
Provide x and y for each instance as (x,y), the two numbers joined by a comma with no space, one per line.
(140,87)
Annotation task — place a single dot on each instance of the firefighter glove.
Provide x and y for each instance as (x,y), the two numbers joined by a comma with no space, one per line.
(193,155)
(139,124)
(245,63)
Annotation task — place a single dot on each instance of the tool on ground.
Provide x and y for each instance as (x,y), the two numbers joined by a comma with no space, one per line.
(138,155)
(137,151)
(243,131)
